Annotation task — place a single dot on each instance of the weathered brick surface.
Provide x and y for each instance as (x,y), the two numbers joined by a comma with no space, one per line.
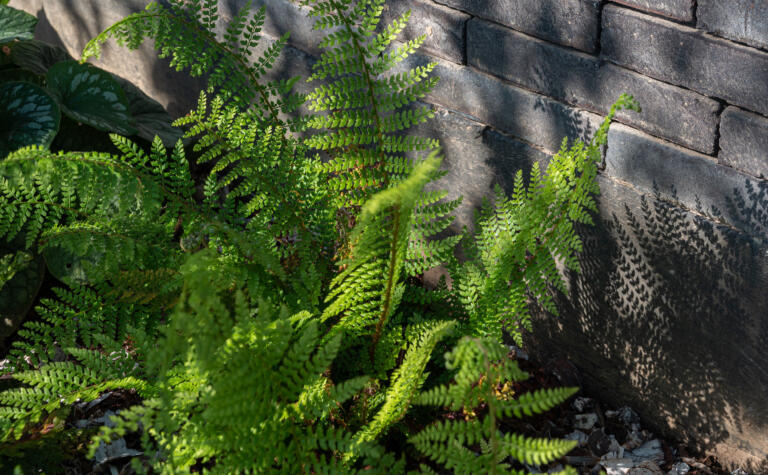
(531,117)
(569,22)
(692,179)
(443,27)
(670,112)
(669,316)
(744,141)
(686,57)
(476,158)
(678,9)
(741,20)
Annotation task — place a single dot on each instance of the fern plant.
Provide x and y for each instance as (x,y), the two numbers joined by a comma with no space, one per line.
(521,240)
(360,111)
(255,351)
(241,383)
(482,366)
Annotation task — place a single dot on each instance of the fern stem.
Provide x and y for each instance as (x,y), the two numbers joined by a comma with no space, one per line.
(491,400)
(390,284)
(369,85)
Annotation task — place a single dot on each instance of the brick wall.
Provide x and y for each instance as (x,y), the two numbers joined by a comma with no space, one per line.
(670,313)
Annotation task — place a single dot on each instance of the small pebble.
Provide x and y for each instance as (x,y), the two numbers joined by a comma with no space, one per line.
(649,451)
(599,443)
(519,352)
(627,415)
(578,436)
(615,466)
(634,439)
(680,468)
(646,468)
(582,404)
(585,421)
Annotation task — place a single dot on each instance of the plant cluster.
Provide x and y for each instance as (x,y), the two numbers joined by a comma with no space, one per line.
(50,100)
(270,314)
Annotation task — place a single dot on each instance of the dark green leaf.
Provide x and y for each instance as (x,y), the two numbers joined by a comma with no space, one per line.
(75,135)
(68,267)
(18,74)
(149,117)
(90,95)
(19,292)
(37,56)
(15,24)
(28,116)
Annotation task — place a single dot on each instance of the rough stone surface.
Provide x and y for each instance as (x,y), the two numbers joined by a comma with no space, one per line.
(569,22)
(282,16)
(72,23)
(29,6)
(534,118)
(744,141)
(684,56)
(669,315)
(741,20)
(678,9)
(443,27)
(670,112)
(476,159)
(686,177)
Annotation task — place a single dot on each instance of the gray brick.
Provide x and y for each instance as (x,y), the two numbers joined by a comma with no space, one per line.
(686,57)
(475,158)
(741,20)
(443,27)
(678,9)
(744,141)
(693,180)
(531,117)
(676,114)
(568,22)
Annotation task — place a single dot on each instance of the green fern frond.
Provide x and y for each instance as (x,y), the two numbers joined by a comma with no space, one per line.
(186,33)
(521,239)
(359,106)
(483,366)
(59,384)
(406,380)
(12,263)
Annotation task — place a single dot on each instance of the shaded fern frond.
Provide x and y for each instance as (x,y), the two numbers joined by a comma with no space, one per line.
(77,317)
(220,348)
(186,33)
(57,385)
(405,382)
(12,263)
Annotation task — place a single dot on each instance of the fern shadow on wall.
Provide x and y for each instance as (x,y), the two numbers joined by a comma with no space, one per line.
(675,311)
